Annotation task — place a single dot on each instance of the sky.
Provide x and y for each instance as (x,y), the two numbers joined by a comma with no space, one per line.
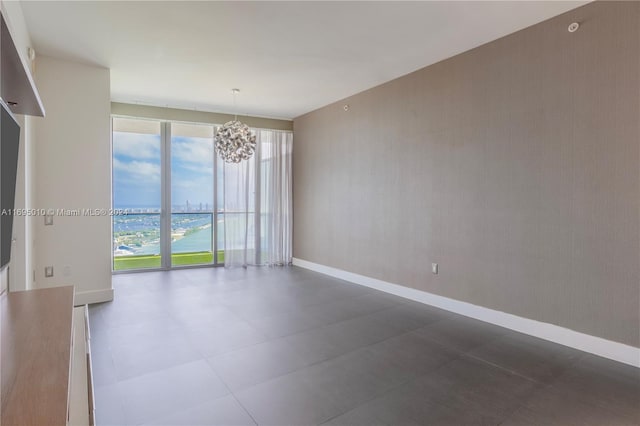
(137,177)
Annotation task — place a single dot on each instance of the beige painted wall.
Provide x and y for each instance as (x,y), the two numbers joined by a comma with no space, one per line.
(72,165)
(174,114)
(515,166)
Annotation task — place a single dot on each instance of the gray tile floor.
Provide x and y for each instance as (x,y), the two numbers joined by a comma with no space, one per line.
(286,346)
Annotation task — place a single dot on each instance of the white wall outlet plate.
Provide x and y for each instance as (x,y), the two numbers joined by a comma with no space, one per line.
(48,271)
(48,219)
(434,268)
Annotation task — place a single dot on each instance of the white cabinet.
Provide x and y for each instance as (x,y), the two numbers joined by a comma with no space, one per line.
(81,403)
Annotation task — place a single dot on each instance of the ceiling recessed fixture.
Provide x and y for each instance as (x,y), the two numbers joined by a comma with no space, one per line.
(234,140)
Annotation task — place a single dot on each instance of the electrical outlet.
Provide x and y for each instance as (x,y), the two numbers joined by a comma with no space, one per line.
(434,268)
(48,271)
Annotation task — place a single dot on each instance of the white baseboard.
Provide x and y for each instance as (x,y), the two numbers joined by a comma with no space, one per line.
(93,296)
(564,336)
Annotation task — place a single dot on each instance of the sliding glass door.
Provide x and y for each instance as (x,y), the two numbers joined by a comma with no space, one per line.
(165,182)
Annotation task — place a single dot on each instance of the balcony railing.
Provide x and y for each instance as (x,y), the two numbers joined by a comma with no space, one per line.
(136,238)
(137,245)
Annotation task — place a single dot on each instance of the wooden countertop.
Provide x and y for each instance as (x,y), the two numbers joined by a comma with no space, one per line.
(35,356)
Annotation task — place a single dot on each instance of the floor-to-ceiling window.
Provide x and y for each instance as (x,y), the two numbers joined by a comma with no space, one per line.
(193,222)
(165,187)
(137,193)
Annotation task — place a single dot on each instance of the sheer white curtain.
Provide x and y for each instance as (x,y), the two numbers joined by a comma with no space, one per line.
(258,204)
(239,208)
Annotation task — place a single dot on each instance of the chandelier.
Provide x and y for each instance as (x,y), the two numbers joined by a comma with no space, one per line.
(234,141)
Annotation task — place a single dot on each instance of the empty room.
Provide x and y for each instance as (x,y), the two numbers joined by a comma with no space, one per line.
(320,213)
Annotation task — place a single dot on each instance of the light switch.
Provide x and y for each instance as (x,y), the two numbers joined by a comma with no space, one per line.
(48,219)
(434,268)
(48,271)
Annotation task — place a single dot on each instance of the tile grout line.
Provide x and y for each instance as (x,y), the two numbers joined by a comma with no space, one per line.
(231,392)
(542,386)
(515,373)
(458,353)
(411,331)
(284,337)
(244,408)
(394,388)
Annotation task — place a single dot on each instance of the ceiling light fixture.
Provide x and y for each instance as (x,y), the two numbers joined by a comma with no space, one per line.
(234,141)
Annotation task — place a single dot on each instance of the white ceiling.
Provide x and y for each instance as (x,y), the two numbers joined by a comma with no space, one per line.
(288,58)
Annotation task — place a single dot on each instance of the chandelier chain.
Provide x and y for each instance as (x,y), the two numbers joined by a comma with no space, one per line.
(235,106)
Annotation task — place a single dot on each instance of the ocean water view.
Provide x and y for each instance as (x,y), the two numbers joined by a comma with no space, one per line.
(139,233)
